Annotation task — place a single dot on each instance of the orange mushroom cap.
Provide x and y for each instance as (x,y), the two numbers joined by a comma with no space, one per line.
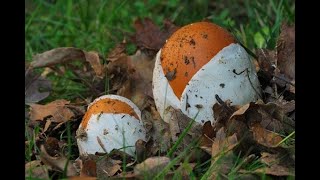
(107,105)
(188,49)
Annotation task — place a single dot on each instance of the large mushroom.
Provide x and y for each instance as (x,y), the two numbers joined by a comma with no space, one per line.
(199,62)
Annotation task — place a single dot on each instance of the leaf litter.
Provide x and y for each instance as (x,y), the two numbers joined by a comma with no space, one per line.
(252,131)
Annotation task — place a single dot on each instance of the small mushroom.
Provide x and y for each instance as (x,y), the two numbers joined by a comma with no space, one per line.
(111,122)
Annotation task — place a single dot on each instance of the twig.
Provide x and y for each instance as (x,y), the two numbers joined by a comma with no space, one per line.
(284,79)
(223,104)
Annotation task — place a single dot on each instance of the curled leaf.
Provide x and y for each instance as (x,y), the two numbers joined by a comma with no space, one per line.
(151,166)
(65,55)
(57,163)
(265,137)
(57,109)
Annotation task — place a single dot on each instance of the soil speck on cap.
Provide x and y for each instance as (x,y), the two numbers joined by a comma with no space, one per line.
(192,42)
(199,106)
(205,36)
(222,85)
(186,60)
(171,74)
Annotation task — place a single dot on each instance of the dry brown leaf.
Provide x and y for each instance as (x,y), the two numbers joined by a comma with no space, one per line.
(37,87)
(142,67)
(269,159)
(222,154)
(275,170)
(106,166)
(265,137)
(184,170)
(222,143)
(287,106)
(34,169)
(57,163)
(286,51)
(125,89)
(274,118)
(81,178)
(207,137)
(266,60)
(89,168)
(47,125)
(222,112)
(149,36)
(56,56)
(272,166)
(131,77)
(151,166)
(56,109)
(67,54)
(118,52)
(178,123)
(141,152)
(242,110)
(52,146)
(93,58)
(158,130)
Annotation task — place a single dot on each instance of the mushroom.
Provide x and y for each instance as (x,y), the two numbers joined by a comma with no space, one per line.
(111,122)
(197,63)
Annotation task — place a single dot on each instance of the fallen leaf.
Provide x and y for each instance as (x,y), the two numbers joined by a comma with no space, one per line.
(222,165)
(131,77)
(140,150)
(275,170)
(266,60)
(34,169)
(178,124)
(126,175)
(57,56)
(242,110)
(81,178)
(274,118)
(287,106)
(118,52)
(57,109)
(207,136)
(184,170)
(52,146)
(286,51)
(142,67)
(151,166)
(273,166)
(89,168)
(60,164)
(265,137)
(93,58)
(222,112)
(149,36)
(269,159)
(65,55)
(37,87)
(223,144)
(99,166)
(47,125)
(158,130)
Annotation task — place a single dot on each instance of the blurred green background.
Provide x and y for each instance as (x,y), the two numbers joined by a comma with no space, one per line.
(99,25)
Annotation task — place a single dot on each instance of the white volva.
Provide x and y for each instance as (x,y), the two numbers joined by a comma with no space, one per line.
(106,131)
(230,74)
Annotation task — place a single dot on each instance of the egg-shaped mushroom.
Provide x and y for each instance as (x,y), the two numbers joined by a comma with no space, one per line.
(199,62)
(111,122)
